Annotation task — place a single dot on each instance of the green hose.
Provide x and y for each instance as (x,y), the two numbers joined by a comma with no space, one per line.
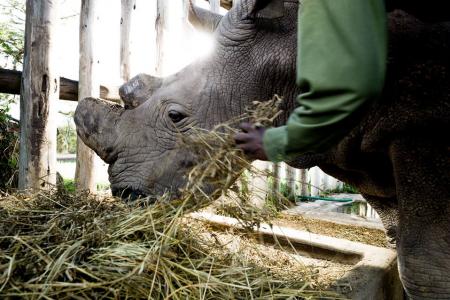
(324,198)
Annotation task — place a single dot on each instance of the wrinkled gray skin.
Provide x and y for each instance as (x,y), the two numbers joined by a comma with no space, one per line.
(254,59)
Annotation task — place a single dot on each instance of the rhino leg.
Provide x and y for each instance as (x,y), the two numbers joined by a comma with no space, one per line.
(421,169)
(387,209)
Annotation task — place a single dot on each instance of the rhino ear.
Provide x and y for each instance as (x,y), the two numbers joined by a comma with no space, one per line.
(203,19)
(138,89)
(274,9)
(96,122)
(262,9)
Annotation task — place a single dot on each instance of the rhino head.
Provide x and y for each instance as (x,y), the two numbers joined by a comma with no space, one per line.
(253,59)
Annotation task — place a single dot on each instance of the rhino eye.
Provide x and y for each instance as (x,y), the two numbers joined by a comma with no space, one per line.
(176,116)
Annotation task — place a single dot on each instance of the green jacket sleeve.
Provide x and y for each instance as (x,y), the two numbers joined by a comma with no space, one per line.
(342,46)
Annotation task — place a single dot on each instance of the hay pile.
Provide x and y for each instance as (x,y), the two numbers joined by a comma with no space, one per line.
(80,247)
(9,151)
(59,245)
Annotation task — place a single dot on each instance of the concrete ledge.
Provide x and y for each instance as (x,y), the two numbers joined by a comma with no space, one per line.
(374,275)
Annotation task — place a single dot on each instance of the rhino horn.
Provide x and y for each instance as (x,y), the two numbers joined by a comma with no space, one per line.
(96,121)
(139,89)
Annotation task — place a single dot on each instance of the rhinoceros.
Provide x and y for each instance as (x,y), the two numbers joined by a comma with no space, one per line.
(397,156)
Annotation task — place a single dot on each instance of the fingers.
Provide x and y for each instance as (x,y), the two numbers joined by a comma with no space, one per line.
(247,148)
(250,141)
(241,138)
(246,127)
(244,141)
(244,136)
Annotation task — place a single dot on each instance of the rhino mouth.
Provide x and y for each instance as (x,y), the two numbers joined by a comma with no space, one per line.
(130,194)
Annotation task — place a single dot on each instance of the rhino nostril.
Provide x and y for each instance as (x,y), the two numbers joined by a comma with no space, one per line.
(187,163)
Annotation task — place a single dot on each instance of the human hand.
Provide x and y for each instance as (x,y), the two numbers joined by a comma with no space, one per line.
(250,140)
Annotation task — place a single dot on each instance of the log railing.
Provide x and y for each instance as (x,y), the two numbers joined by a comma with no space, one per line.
(68,90)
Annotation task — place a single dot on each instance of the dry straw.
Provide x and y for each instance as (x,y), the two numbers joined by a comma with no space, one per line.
(59,245)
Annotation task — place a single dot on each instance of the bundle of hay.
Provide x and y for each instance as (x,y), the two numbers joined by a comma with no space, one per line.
(80,247)
(59,245)
(218,172)
(9,151)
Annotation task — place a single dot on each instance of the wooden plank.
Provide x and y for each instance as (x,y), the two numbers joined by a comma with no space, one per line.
(40,90)
(227,4)
(127,8)
(88,87)
(68,88)
(110,93)
(10,81)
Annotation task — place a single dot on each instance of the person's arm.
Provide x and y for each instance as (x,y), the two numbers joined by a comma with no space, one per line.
(342,48)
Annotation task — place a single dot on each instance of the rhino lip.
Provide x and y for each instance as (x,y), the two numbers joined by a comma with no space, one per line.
(128,194)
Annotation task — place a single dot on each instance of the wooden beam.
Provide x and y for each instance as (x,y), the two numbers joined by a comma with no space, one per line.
(68,88)
(10,81)
(227,4)
(88,87)
(40,90)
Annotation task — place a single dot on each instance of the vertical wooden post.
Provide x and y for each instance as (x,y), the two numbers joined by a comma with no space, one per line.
(304,182)
(127,7)
(290,181)
(275,180)
(324,182)
(215,6)
(362,209)
(185,16)
(88,87)
(315,181)
(161,24)
(40,91)
(258,183)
